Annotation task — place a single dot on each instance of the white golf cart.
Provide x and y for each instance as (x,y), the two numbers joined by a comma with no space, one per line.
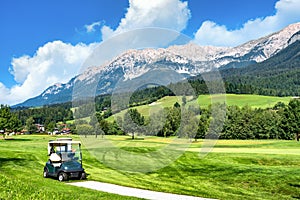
(65,160)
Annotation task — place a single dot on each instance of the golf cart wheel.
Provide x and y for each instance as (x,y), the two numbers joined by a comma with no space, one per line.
(82,176)
(62,176)
(46,172)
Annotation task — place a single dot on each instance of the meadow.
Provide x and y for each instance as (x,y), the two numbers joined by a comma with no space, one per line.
(235,169)
(254,101)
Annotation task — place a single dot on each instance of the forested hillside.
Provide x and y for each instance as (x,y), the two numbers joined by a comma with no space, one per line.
(277,76)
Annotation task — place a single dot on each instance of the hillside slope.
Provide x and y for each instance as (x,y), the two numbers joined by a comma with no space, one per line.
(279,75)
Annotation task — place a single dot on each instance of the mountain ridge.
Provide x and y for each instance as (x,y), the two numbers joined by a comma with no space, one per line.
(189,59)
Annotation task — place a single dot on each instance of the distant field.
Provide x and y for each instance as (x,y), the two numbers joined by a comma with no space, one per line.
(254,101)
(235,169)
(145,110)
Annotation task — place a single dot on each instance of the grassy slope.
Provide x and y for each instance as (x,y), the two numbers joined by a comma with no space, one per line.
(264,169)
(21,167)
(254,101)
(167,101)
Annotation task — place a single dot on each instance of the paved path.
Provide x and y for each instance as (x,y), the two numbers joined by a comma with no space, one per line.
(134,192)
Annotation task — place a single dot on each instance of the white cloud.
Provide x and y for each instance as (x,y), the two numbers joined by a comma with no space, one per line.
(172,14)
(91,28)
(54,62)
(106,32)
(59,62)
(210,33)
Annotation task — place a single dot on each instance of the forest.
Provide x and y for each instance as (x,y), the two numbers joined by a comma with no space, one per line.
(279,122)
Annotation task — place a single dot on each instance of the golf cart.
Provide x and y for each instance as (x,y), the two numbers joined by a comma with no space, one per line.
(65,160)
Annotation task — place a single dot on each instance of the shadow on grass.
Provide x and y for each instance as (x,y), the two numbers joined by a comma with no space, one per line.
(17,139)
(297,185)
(134,139)
(139,149)
(11,161)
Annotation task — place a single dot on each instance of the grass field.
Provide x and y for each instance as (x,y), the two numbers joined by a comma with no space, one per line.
(21,163)
(235,169)
(254,101)
(145,110)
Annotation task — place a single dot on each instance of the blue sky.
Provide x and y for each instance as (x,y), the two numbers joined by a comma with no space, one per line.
(44,36)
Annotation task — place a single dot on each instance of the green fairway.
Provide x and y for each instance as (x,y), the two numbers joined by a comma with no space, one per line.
(22,161)
(235,169)
(254,101)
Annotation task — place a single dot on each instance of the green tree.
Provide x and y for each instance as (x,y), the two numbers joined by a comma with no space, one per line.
(98,130)
(14,124)
(176,105)
(84,129)
(189,124)
(94,121)
(156,123)
(217,120)
(8,120)
(133,122)
(203,125)
(172,122)
(291,119)
(50,126)
(30,126)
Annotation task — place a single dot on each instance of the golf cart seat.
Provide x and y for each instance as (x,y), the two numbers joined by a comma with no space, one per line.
(55,160)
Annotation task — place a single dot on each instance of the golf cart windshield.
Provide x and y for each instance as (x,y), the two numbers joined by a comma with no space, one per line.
(66,150)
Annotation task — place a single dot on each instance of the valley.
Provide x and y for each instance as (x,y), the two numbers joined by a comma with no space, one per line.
(216,122)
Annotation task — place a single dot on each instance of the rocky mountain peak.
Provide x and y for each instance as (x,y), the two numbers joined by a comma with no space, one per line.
(189,59)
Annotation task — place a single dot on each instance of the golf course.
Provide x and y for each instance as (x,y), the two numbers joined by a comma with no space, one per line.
(234,169)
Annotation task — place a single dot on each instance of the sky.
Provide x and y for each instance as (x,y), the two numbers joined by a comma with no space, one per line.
(46,42)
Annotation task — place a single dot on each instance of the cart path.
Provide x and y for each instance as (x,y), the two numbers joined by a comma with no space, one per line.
(134,192)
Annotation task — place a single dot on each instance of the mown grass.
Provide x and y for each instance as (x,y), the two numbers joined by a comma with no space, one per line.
(235,169)
(254,101)
(253,173)
(21,165)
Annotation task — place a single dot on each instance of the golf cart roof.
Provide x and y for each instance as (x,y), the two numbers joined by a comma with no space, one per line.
(55,142)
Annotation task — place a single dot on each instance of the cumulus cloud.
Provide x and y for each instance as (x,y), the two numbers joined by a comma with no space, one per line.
(211,33)
(172,14)
(58,62)
(54,62)
(91,27)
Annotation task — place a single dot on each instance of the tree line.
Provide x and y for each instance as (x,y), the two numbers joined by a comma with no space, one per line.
(279,122)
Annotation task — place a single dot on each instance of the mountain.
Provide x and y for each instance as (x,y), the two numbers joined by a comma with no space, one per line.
(58,93)
(278,75)
(254,51)
(188,60)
